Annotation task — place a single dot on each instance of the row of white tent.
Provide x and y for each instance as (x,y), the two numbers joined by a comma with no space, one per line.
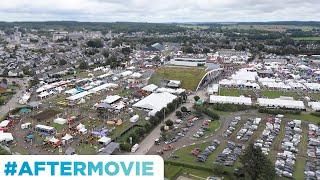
(230,100)
(282,102)
(91,91)
(239,83)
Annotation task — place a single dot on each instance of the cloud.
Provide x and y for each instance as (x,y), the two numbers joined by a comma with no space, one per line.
(159,10)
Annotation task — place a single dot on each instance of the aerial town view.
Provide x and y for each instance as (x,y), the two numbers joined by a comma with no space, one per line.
(231,97)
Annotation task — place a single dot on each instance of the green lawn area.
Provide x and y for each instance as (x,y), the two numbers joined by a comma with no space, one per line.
(315,96)
(171,172)
(189,77)
(276,145)
(317,38)
(234,92)
(126,92)
(301,158)
(86,149)
(277,94)
(4,152)
(185,155)
(5,97)
(214,125)
(305,117)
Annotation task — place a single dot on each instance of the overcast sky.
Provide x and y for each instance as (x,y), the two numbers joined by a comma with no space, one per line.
(159,10)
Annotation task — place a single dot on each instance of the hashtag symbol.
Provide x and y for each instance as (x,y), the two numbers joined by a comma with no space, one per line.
(10,168)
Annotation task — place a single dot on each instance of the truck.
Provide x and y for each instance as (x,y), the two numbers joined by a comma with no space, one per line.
(134,148)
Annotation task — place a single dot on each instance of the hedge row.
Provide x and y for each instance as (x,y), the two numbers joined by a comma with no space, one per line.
(207,112)
(231,107)
(316,114)
(187,165)
(278,111)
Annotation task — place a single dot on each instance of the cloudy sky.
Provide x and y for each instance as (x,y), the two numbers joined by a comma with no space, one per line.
(159,10)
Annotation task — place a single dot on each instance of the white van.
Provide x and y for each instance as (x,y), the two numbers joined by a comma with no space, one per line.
(135,148)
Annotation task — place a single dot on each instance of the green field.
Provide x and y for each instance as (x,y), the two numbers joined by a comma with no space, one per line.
(315,96)
(301,158)
(235,92)
(304,117)
(173,172)
(189,77)
(277,94)
(317,38)
(214,125)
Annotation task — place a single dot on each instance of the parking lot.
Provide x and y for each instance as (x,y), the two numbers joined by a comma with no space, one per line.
(283,139)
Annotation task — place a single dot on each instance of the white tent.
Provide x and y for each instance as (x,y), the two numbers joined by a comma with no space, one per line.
(54,140)
(6,137)
(213,89)
(150,88)
(43,94)
(67,138)
(82,101)
(78,96)
(230,100)
(72,91)
(60,121)
(315,105)
(111,99)
(25,125)
(136,75)
(281,103)
(102,87)
(155,101)
(104,140)
(134,118)
(82,129)
(4,123)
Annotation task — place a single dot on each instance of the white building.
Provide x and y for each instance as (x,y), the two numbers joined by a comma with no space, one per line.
(192,62)
(281,103)
(155,102)
(230,100)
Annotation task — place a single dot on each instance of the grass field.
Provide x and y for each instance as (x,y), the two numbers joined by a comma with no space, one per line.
(307,38)
(189,77)
(277,94)
(171,172)
(214,125)
(315,96)
(235,92)
(304,117)
(301,158)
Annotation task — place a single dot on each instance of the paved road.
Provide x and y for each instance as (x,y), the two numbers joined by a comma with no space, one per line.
(13,102)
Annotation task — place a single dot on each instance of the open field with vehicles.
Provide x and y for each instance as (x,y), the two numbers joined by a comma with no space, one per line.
(185,156)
